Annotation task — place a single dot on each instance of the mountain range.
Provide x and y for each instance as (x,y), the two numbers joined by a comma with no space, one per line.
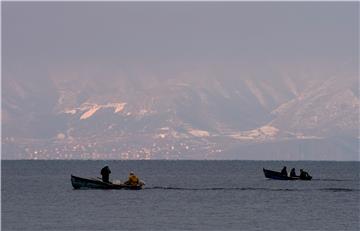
(213,113)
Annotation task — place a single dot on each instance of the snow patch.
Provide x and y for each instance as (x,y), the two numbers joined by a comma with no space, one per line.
(90,112)
(269,130)
(70,111)
(118,107)
(89,109)
(264,132)
(60,136)
(198,133)
(240,136)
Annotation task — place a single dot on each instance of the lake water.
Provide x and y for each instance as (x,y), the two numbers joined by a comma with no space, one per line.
(180,195)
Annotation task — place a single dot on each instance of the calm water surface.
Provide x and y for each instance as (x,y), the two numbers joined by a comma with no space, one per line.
(180,195)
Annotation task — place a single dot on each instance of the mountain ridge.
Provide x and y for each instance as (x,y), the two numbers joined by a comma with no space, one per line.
(197,107)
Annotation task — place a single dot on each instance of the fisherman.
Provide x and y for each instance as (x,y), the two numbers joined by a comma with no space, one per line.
(133,179)
(304,175)
(283,171)
(293,173)
(105,172)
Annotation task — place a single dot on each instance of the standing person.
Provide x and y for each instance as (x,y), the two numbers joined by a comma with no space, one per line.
(105,172)
(293,173)
(284,171)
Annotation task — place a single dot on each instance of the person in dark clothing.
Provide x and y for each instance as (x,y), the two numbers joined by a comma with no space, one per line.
(304,175)
(293,173)
(284,171)
(105,172)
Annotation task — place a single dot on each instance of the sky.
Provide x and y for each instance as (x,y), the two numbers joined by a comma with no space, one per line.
(173,35)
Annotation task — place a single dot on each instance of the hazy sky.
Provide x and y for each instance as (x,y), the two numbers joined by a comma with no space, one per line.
(51,46)
(41,35)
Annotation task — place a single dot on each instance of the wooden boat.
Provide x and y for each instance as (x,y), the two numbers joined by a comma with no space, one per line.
(278,176)
(85,183)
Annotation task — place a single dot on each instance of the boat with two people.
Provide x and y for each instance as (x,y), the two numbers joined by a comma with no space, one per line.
(133,183)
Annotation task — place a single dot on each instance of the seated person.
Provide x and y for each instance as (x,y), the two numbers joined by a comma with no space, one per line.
(303,174)
(133,179)
(283,171)
(293,173)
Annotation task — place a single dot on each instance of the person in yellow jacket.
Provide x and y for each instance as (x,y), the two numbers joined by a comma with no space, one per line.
(133,179)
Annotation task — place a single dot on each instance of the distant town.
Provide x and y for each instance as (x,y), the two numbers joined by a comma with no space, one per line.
(120,149)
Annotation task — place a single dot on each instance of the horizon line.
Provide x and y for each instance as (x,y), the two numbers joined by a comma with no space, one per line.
(176,160)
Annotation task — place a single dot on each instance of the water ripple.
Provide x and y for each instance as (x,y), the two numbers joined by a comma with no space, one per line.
(249,189)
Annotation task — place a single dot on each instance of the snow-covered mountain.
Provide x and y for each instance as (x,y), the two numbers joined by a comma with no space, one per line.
(212,109)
